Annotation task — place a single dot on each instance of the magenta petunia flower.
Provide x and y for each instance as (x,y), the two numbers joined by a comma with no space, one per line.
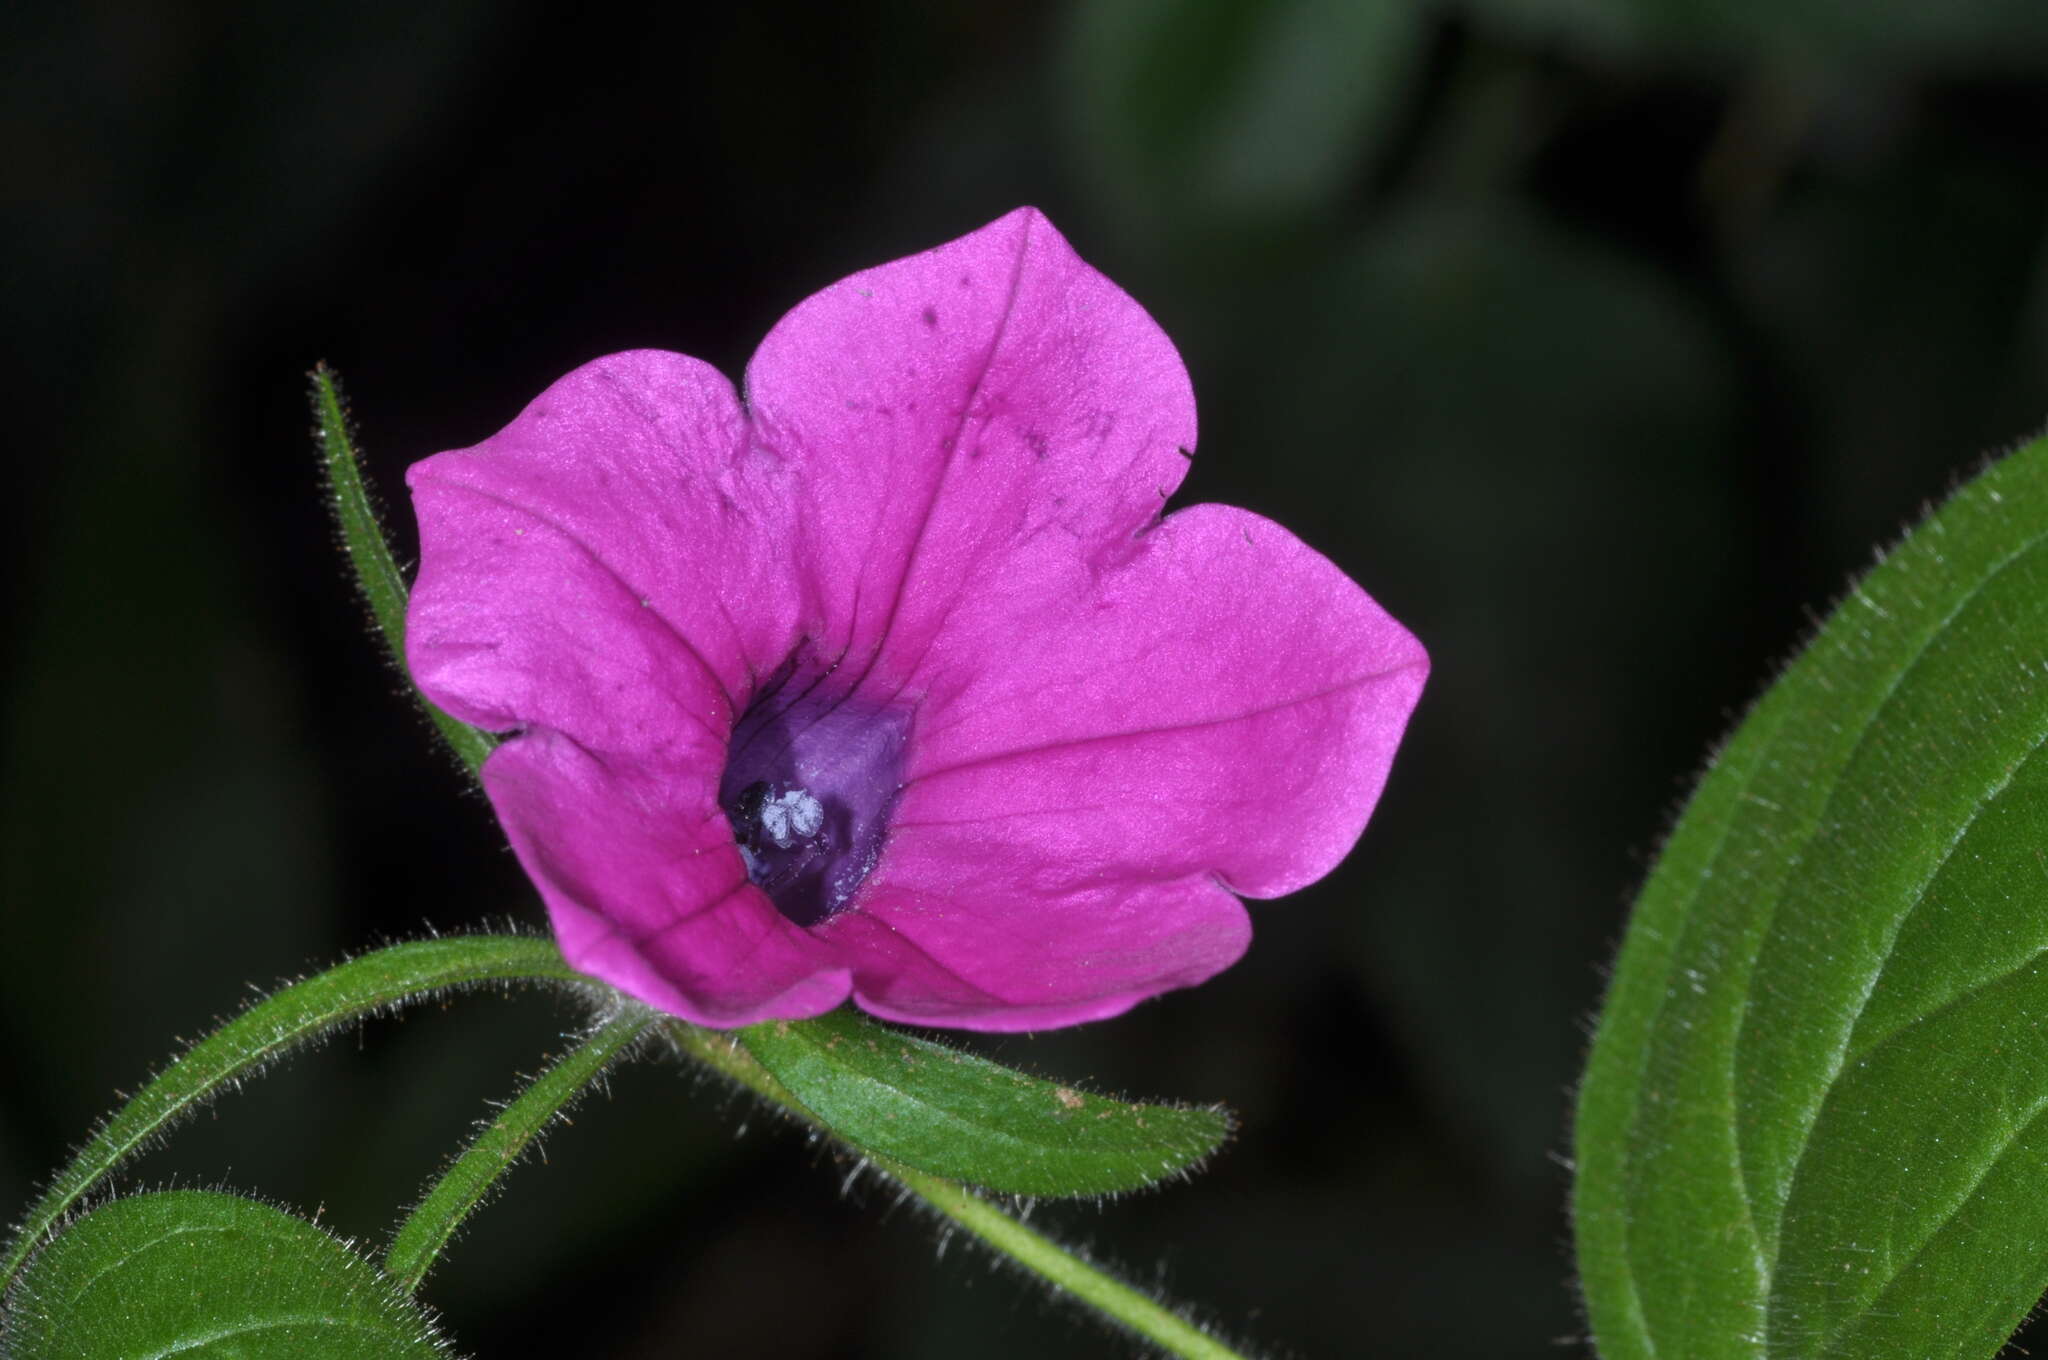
(890,680)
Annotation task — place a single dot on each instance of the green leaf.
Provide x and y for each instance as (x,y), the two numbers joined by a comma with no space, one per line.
(1813,1119)
(949,1113)
(290,1018)
(369,553)
(199,1274)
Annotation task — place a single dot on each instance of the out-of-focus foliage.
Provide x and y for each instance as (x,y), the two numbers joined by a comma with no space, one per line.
(1599,339)
(1983,34)
(1248,114)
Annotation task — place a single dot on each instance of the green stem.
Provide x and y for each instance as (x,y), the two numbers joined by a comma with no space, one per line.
(1062,1269)
(470,1178)
(288,1019)
(369,554)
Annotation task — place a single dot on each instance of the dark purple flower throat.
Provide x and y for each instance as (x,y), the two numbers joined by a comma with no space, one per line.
(810,781)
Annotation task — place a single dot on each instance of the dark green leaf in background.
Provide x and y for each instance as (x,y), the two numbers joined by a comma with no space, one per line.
(1812,1124)
(1878,33)
(951,1114)
(1517,374)
(206,1275)
(1250,110)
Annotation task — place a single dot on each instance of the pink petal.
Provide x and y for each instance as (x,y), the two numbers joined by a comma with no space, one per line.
(646,890)
(1226,703)
(1102,754)
(612,564)
(609,574)
(943,409)
(970,935)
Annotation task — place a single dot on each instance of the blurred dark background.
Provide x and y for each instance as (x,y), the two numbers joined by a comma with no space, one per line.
(1601,339)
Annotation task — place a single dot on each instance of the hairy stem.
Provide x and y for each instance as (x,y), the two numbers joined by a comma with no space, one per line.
(1122,1303)
(470,1179)
(288,1019)
(1066,1273)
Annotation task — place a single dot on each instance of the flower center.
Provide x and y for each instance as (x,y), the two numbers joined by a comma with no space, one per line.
(810,780)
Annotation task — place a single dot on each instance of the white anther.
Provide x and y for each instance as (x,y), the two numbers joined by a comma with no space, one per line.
(791,817)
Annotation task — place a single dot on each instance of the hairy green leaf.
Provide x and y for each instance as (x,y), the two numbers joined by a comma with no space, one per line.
(199,1274)
(1813,1120)
(951,1114)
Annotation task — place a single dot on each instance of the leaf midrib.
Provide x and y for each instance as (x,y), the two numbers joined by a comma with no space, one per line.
(1838,1057)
